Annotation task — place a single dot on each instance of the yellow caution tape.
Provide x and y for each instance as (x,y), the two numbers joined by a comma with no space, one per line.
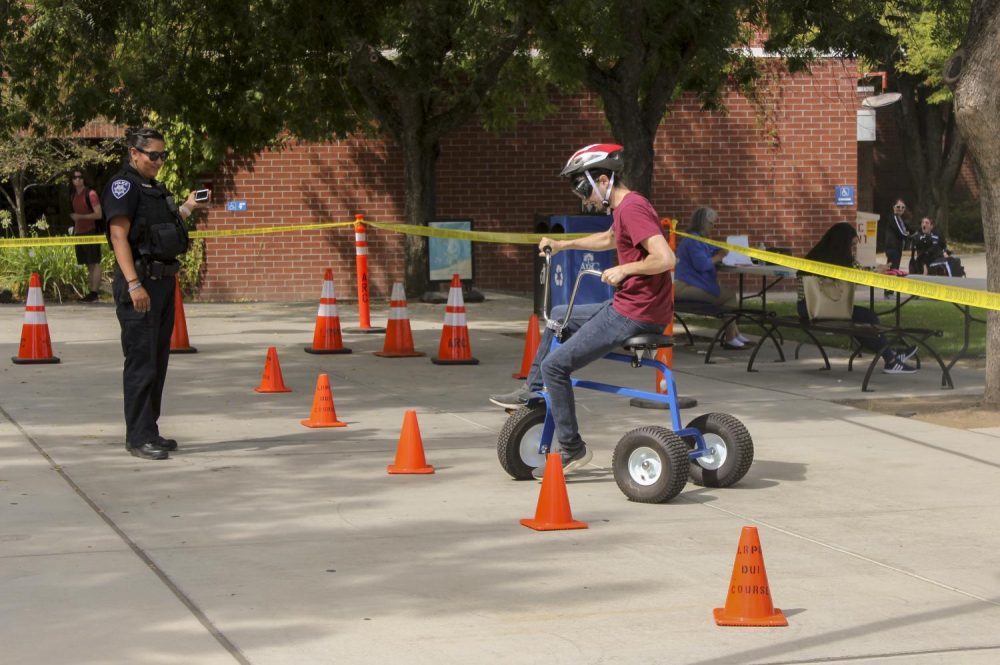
(956,294)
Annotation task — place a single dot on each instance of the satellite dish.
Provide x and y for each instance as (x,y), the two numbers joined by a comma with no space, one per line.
(878,101)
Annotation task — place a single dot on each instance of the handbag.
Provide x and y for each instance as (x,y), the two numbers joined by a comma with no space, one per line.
(828,298)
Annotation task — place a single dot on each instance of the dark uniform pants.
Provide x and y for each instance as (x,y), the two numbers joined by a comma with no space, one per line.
(146,345)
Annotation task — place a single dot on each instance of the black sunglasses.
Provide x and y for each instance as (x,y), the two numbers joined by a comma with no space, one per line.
(154,155)
(582,187)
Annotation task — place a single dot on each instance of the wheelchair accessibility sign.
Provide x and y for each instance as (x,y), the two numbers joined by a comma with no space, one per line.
(845,195)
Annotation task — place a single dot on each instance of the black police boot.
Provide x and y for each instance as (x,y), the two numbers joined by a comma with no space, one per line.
(166,444)
(147,451)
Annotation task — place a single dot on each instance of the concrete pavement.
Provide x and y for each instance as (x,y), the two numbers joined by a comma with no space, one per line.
(265,542)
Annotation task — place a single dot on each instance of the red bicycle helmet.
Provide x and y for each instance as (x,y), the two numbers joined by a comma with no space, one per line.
(596,156)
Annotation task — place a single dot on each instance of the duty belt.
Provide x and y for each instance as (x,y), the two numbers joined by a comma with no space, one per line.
(156,269)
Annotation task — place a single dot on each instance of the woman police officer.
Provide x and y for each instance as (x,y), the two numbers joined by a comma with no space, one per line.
(147,234)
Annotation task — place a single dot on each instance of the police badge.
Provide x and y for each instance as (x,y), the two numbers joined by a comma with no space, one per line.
(119,188)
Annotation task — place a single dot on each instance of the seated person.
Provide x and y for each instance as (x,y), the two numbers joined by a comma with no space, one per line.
(695,277)
(838,246)
(929,251)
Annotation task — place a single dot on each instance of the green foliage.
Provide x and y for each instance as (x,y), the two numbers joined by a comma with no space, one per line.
(965,222)
(56,265)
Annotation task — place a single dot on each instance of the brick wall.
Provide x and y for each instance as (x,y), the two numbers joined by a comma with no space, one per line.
(772,179)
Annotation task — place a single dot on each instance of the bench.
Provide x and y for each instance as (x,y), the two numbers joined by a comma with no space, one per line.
(726,316)
(894,336)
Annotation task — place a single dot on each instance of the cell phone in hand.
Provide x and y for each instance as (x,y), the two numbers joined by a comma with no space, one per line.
(201,195)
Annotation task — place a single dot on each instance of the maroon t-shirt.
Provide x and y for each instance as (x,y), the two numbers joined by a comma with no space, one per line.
(644,298)
(79,202)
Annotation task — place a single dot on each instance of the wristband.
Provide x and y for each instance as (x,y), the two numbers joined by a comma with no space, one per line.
(134,280)
(135,288)
(186,210)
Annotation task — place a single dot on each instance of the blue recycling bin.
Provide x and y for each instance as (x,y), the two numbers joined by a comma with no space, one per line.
(566,265)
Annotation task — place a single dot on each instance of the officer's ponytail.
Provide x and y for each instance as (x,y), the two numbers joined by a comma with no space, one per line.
(139,137)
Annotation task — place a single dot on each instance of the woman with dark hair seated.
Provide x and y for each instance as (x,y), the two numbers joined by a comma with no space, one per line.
(838,247)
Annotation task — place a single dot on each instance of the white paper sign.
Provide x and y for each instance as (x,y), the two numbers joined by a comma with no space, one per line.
(735,258)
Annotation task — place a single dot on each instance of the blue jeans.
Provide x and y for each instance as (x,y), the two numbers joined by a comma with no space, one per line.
(595,330)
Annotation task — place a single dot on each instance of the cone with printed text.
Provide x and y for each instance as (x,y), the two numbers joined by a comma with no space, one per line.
(455,348)
(410,450)
(531,342)
(179,342)
(398,336)
(749,599)
(272,381)
(36,345)
(323,412)
(552,512)
(326,336)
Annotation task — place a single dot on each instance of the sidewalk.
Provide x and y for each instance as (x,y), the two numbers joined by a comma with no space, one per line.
(265,542)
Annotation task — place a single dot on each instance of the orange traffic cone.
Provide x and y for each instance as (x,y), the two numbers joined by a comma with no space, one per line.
(553,513)
(398,336)
(326,336)
(323,412)
(410,450)
(36,345)
(455,348)
(531,341)
(749,600)
(272,381)
(179,342)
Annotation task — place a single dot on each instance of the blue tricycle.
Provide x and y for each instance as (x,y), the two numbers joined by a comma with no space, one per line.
(651,464)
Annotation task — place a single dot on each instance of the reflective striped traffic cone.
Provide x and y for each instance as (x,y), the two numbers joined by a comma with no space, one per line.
(179,342)
(326,336)
(454,348)
(398,336)
(36,346)
(531,342)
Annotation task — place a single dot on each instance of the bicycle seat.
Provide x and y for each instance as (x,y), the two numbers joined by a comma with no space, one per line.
(647,342)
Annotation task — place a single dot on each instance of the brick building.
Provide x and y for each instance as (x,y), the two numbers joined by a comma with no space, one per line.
(770,175)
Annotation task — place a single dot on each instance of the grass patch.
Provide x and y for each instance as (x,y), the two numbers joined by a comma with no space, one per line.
(921,313)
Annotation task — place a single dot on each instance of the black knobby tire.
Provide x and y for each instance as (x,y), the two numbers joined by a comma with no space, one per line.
(521,432)
(650,464)
(733,443)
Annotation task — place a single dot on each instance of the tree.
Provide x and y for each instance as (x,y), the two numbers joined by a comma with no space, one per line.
(973,73)
(639,55)
(28,161)
(909,40)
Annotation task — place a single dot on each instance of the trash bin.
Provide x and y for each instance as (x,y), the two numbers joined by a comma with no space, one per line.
(566,265)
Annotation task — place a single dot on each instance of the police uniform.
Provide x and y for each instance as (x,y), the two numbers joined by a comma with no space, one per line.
(157,236)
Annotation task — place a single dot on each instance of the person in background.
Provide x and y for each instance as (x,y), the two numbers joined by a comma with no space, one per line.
(896,235)
(838,247)
(86,214)
(929,251)
(695,277)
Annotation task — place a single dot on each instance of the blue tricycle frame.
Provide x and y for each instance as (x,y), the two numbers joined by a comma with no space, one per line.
(651,464)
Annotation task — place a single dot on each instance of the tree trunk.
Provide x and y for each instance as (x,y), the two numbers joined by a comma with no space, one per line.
(975,78)
(17,183)
(419,163)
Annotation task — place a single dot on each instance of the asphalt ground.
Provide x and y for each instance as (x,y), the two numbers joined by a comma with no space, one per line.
(263,541)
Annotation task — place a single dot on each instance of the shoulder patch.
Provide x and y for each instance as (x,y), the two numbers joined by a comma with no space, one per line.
(119,188)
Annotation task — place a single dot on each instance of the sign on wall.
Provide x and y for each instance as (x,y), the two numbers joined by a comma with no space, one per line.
(447,256)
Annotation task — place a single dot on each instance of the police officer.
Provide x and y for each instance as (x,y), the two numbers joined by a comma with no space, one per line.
(147,234)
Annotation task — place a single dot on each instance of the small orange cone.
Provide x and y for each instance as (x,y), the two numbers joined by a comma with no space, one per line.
(179,342)
(410,451)
(36,345)
(454,348)
(323,413)
(326,336)
(398,336)
(531,341)
(749,600)
(553,513)
(272,381)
